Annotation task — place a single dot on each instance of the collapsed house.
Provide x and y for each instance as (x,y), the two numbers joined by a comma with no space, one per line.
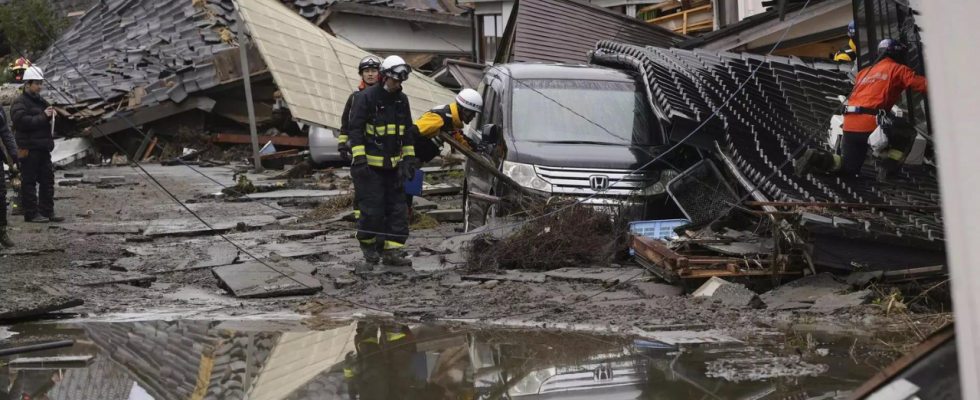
(139,62)
(784,103)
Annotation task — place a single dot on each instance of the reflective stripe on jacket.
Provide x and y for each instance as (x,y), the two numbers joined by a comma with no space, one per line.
(439,119)
(381,127)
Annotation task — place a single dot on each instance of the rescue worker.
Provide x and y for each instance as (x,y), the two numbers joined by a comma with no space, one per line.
(848,53)
(382,142)
(877,88)
(368,69)
(32,118)
(382,368)
(8,153)
(445,118)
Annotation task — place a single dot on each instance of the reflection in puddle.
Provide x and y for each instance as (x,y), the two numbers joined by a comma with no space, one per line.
(383,360)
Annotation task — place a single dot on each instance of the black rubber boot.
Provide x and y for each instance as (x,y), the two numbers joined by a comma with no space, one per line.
(37,219)
(396,258)
(5,238)
(814,160)
(371,254)
(55,218)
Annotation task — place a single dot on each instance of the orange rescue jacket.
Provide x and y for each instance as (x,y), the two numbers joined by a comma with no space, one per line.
(880,86)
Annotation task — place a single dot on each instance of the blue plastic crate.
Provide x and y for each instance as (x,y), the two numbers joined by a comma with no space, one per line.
(659,229)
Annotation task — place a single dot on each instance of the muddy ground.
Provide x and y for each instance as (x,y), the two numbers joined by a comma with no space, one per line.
(104,224)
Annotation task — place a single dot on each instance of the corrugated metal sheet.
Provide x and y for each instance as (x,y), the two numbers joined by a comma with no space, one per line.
(315,71)
(564,31)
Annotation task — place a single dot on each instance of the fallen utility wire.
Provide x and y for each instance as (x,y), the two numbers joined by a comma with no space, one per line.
(174,197)
(675,146)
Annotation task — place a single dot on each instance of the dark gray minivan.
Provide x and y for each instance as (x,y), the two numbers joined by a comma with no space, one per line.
(567,130)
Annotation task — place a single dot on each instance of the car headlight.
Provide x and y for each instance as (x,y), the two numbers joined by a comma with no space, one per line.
(660,186)
(525,176)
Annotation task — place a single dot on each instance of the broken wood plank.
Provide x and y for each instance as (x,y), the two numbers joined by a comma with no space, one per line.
(593,275)
(526,277)
(446,216)
(485,197)
(841,205)
(187,227)
(268,279)
(231,138)
(442,189)
(279,154)
(150,148)
(29,307)
(143,281)
(146,115)
(482,162)
(45,363)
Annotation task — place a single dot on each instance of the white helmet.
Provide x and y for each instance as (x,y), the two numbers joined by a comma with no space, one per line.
(33,74)
(470,100)
(395,67)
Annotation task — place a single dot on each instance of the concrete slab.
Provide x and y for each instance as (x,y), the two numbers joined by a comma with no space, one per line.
(833,302)
(729,294)
(652,289)
(802,291)
(593,275)
(183,227)
(514,276)
(296,193)
(132,280)
(421,204)
(291,249)
(272,279)
(104,228)
(446,216)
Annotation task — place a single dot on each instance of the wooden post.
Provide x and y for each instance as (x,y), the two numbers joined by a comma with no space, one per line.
(684,29)
(246,78)
(479,161)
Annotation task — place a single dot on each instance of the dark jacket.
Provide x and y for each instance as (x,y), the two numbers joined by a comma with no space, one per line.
(381,127)
(31,127)
(345,116)
(7,138)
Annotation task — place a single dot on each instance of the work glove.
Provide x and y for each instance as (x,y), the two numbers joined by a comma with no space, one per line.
(359,167)
(345,153)
(468,144)
(406,169)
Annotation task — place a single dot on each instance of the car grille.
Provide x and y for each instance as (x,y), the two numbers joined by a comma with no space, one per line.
(578,181)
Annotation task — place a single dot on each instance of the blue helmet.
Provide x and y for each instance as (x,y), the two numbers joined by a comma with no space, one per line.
(891,48)
(851,30)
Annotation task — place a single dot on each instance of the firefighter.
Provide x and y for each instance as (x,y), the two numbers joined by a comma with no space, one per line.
(445,118)
(32,117)
(381,139)
(877,88)
(848,53)
(382,368)
(8,156)
(368,69)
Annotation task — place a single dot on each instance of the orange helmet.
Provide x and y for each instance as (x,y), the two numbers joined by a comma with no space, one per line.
(22,63)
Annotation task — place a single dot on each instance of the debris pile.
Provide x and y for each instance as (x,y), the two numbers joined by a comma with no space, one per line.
(577,235)
(139,54)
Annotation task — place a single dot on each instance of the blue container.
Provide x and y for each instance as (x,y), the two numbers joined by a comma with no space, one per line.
(659,229)
(414,186)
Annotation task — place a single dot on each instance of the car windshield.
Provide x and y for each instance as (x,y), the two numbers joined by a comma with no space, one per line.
(556,110)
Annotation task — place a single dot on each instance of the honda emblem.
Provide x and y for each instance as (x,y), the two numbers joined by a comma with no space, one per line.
(599,182)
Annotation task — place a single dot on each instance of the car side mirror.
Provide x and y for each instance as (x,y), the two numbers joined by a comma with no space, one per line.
(490,134)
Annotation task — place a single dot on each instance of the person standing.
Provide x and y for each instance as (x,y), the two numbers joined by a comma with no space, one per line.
(876,89)
(382,144)
(32,119)
(368,69)
(9,155)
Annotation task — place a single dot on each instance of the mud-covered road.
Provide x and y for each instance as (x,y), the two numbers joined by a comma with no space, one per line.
(104,241)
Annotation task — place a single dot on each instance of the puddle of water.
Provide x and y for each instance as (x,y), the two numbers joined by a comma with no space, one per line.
(281,360)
